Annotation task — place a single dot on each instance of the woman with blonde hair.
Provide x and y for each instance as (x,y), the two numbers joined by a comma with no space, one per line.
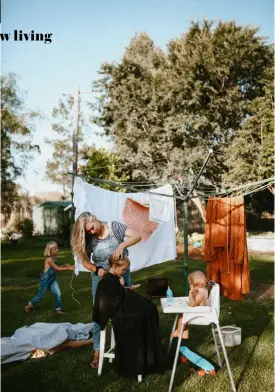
(97,240)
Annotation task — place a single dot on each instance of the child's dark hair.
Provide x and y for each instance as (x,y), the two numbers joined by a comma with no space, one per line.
(118,263)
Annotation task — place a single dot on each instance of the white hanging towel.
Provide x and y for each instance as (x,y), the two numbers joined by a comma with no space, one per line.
(160,207)
(108,206)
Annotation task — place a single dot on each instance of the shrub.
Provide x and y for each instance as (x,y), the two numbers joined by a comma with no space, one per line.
(27,227)
(65,235)
(17,225)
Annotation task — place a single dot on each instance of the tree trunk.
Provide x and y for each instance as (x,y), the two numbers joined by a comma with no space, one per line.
(271,189)
(200,207)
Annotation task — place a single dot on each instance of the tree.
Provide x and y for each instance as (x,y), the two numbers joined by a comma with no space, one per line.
(217,73)
(104,165)
(16,140)
(163,111)
(250,157)
(130,106)
(24,203)
(61,161)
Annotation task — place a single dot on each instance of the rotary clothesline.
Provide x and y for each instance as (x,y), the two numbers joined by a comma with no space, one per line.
(252,187)
(134,188)
(241,190)
(204,184)
(114,183)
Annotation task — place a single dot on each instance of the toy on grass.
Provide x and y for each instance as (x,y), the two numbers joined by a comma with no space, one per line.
(204,366)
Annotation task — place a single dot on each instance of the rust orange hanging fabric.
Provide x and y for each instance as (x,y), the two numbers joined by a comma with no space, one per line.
(226,247)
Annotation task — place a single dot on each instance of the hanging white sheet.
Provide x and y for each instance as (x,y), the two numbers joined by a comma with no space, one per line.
(108,206)
(160,207)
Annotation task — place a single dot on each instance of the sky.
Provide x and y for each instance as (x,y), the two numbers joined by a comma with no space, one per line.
(86,33)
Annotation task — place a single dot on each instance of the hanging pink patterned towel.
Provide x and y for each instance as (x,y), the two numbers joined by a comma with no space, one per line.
(136,217)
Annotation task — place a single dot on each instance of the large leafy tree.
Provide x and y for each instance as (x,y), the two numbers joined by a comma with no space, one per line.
(217,73)
(250,157)
(130,105)
(164,110)
(16,141)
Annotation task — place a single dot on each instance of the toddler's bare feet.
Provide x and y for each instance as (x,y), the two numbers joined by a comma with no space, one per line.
(28,308)
(185,334)
(60,311)
(176,333)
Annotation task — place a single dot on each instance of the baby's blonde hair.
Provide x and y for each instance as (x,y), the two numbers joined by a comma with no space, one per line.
(49,246)
(197,274)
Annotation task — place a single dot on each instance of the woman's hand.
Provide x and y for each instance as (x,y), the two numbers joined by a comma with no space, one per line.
(70,267)
(134,286)
(122,281)
(118,253)
(89,266)
(101,272)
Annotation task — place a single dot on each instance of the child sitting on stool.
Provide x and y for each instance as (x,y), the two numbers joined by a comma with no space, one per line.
(198,296)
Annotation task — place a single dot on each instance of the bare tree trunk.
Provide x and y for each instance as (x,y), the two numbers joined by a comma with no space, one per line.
(271,189)
(200,207)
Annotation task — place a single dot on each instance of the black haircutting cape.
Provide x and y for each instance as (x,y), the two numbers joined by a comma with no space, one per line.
(136,327)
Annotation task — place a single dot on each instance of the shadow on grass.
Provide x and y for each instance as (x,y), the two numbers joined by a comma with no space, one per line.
(262,271)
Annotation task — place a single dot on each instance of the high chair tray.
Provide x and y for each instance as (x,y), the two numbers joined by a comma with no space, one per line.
(180,305)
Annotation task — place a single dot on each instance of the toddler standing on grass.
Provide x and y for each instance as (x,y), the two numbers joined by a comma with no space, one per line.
(48,277)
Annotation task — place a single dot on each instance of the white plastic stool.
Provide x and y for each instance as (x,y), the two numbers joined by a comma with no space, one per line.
(108,354)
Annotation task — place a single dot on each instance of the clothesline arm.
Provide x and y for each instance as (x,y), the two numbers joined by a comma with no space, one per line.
(125,186)
(182,198)
(130,187)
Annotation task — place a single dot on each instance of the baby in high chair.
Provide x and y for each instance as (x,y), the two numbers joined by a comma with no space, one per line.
(198,296)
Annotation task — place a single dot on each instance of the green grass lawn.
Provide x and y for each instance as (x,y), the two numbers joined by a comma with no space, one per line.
(251,362)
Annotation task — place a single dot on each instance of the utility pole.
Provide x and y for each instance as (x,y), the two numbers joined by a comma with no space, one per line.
(185,225)
(185,234)
(75,138)
(75,147)
(75,133)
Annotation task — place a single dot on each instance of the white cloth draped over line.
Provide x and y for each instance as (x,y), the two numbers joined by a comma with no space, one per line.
(108,206)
